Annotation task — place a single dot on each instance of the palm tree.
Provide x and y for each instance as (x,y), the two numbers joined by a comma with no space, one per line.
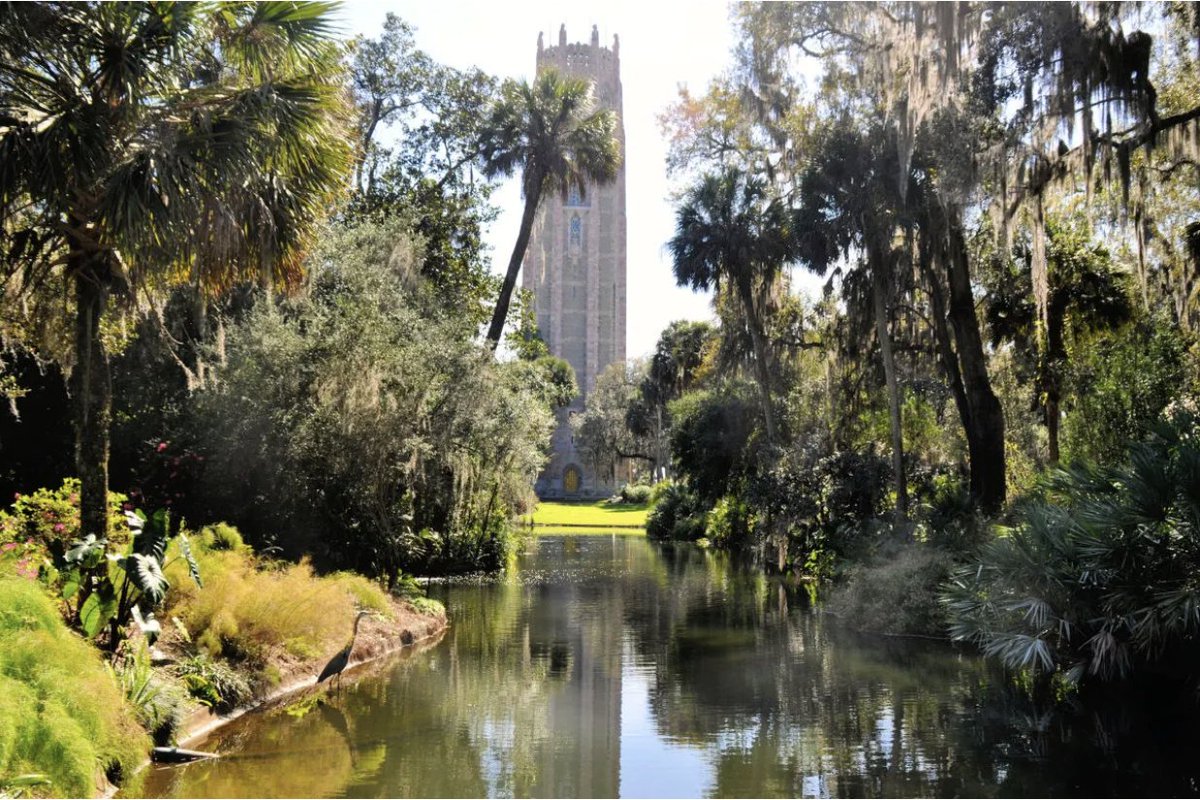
(730,230)
(554,133)
(147,143)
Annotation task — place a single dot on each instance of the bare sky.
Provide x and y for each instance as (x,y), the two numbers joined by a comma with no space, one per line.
(663,45)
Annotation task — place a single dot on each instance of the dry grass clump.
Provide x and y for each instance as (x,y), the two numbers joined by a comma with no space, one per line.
(256,611)
(247,613)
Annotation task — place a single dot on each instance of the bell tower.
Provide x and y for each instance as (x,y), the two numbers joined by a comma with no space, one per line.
(575,268)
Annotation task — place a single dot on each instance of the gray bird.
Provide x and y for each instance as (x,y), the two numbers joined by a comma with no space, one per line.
(338,663)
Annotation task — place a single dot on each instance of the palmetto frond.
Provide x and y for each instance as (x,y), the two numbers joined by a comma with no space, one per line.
(1099,576)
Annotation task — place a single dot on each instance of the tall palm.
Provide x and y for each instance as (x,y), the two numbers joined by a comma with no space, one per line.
(731,230)
(143,143)
(554,133)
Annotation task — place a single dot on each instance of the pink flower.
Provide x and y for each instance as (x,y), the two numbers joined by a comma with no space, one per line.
(59,527)
(8,547)
(161,446)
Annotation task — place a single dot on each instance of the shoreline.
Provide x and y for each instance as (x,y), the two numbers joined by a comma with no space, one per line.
(408,639)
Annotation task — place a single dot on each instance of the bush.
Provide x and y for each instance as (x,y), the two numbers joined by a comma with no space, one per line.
(221,536)
(1097,579)
(677,514)
(50,518)
(62,713)
(636,494)
(898,592)
(729,523)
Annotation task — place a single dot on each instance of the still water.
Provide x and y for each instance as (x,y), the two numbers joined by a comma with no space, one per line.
(607,666)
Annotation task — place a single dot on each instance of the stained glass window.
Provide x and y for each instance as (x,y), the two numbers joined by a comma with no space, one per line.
(574,197)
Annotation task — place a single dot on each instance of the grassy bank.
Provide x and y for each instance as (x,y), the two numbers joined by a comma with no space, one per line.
(75,718)
(601,514)
(65,724)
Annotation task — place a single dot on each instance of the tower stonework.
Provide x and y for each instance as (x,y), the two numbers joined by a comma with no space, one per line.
(575,268)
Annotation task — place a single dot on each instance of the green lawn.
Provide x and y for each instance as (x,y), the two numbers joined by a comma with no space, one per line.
(594,515)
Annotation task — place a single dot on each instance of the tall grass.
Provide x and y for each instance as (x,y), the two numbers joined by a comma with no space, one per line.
(260,612)
(62,713)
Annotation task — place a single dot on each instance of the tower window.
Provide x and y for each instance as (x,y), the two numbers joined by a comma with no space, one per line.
(575,235)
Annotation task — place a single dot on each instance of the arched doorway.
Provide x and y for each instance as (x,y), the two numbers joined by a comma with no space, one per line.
(572,479)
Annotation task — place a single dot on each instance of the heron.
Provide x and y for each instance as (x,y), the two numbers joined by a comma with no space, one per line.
(334,668)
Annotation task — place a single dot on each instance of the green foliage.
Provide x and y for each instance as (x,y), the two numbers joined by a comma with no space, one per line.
(50,518)
(366,420)
(103,584)
(730,523)
(1096,579)
(213,682)
(427,605)
(61,712)
(1124,382)
(677,514)
(221,536)
(636,494)
(711,439)
(158,704)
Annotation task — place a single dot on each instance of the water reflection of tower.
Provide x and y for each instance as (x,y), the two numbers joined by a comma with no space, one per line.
(579,628)
(575,268)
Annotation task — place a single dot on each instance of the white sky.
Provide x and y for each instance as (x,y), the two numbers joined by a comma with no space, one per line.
(663,45)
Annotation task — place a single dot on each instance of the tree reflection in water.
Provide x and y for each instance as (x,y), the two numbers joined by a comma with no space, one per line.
(606,665)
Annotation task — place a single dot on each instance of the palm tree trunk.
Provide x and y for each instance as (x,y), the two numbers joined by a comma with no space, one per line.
(758,341)
(532,199)
(879,278)
(91,389)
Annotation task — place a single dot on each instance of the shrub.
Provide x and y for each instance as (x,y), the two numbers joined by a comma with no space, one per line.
(677,514)
(366,593)
(50,517)
(637,494)
(62,714)
(729,523)
(899,591)
(221,536)
(1097,579)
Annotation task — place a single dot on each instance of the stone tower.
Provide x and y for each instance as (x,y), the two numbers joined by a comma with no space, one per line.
(575,268)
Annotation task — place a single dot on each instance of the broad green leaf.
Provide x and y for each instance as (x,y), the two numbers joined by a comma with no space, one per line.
(70,585)
(87,553)
(147,575)
(97,610)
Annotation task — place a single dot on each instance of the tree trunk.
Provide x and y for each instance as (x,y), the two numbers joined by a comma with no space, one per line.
(500,315)
(758,341)
(1052,363)
(878,266)
(91,388)
(985,431)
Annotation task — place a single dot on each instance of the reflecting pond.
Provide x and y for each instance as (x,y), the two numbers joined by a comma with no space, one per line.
(606,666)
